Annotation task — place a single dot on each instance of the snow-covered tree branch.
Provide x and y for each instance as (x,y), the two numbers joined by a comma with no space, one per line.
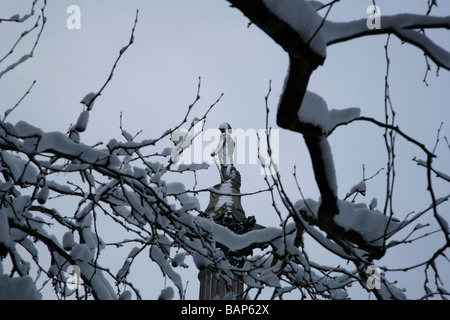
(304,35)
(59,193)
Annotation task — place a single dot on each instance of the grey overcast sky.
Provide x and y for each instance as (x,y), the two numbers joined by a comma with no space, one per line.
(178,41)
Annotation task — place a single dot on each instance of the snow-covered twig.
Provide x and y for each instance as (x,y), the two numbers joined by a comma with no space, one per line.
(7,112)
(90,98)
(17,18)
(31,52)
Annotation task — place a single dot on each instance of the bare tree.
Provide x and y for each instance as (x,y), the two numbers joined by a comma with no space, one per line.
(123,182)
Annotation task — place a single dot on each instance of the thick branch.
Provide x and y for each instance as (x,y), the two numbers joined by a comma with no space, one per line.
(280,31)
(303,60)
(401,25)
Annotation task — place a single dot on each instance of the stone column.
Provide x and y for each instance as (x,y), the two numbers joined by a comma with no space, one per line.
(214,287)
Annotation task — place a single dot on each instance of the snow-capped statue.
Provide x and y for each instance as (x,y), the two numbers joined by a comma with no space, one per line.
(224,151)
(225,148)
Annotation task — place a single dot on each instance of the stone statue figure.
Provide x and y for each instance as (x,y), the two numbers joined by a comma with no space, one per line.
(224,151)
(225,148)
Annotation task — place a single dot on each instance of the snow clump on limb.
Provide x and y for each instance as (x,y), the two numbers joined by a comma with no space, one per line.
(314,110)
(301,16)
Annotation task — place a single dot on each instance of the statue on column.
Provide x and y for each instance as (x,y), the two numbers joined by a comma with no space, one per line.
(225,151)
(225,209)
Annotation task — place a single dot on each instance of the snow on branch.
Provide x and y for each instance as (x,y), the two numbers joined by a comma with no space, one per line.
(402,25)
(17,18)
(373,226)
(90,98)
(42,20)
(31,159)
(314,111)
(303,18)
(116,181)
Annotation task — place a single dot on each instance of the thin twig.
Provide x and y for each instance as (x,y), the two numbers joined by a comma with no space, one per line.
(90,103)
(7,112)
